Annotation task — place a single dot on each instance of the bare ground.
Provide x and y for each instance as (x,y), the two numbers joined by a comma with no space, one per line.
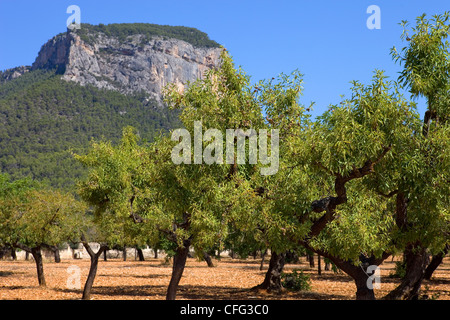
(229,279)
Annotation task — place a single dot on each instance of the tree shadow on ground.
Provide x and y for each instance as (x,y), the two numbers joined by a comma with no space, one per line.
(230,293)
(143,291)
(188,292)
(138,276)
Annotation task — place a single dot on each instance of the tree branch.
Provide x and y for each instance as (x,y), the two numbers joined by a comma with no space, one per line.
(389,195)
(319,164)
(88,248)
(329,204)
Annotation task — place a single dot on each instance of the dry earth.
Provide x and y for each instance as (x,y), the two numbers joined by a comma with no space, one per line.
(229,279)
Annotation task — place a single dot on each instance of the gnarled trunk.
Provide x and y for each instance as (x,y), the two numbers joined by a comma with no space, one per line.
(272,280)
(360,273)
(416,258)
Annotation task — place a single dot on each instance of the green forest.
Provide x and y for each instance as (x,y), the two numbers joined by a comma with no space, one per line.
(44,119)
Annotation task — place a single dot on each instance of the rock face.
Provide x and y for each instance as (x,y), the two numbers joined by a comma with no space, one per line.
(13,73)
(132,65)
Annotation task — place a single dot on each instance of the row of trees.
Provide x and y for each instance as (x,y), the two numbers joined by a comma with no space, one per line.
(364,181)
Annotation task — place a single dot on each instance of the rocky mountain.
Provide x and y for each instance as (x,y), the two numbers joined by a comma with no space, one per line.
(90,84)
(132,63)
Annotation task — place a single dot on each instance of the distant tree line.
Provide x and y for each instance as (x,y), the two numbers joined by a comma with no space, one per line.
(122,30)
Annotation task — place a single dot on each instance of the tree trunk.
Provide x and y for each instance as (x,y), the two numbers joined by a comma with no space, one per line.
(55,251)
(104,255)
(13,254)
(364,285)
(327,264)
(359,273)
(363,291)
(435,262)
(36,252)
(124,253)
(272,280)
(416,258)
(179,262)
(263,256)
(208,259)
(311,259)
(92,270)
(90,279)
(140,254)
(57,255)
(319,265)
(156,253)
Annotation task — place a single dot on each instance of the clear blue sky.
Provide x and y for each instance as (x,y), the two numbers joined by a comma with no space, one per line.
(328,41)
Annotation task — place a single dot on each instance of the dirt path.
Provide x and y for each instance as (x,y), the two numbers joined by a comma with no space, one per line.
(230,279)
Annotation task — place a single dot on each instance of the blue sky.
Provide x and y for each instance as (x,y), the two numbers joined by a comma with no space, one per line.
(328,41)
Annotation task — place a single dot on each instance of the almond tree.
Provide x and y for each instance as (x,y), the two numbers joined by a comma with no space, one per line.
(107,229)
(112,189)
(32,219)
(227,195)
(423,193)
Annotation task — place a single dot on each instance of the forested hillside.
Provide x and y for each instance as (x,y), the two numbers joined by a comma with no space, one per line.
(43,118)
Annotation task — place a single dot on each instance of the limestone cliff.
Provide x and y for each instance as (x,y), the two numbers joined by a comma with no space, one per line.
(127,64)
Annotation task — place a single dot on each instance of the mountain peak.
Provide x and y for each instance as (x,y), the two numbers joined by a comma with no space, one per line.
(130,58)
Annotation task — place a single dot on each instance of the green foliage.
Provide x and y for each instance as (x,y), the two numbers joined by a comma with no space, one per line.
(200,203)
(426,64)
(34,217)
(424,167)
(223,100)
(44,118)
(296,280)
(87,32)
(399,270)
(115,189)
(10,188)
